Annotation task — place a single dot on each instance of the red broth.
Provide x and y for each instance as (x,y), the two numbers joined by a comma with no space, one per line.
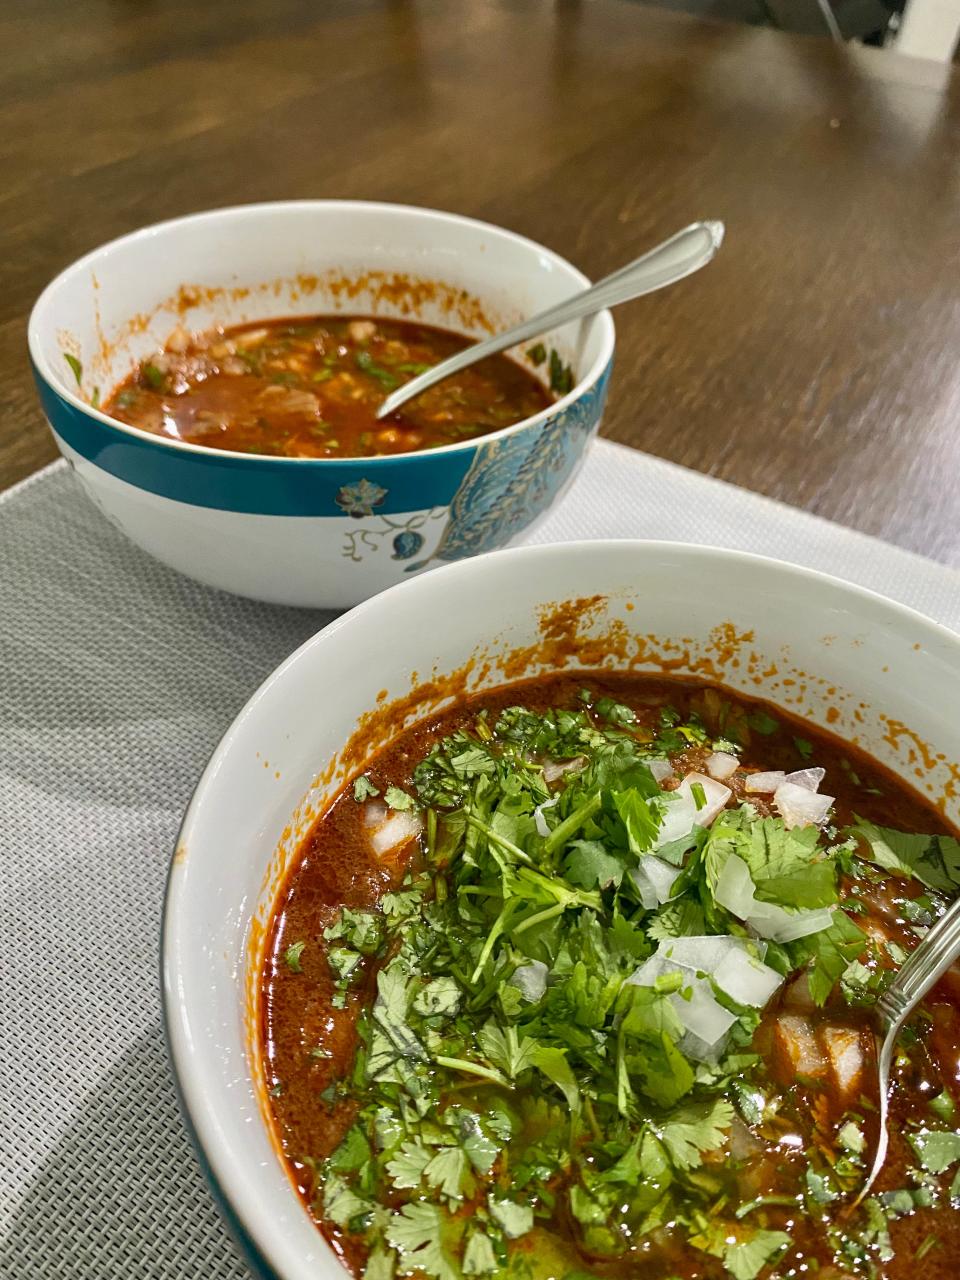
(800,1117)
(310,387)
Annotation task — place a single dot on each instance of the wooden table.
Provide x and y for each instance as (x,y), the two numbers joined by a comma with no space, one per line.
(818,360)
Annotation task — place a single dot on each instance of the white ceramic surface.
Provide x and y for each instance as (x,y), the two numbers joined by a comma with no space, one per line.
(872,671)
(313,532)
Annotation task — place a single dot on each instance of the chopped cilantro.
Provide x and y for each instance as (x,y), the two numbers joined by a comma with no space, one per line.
(397,798)
(75,366)
(363,789)
(936,1150)
(537,353)
(292,956)
(514,1064)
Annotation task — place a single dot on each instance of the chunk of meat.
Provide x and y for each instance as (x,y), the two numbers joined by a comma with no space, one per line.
(845,1053)
(797,1048)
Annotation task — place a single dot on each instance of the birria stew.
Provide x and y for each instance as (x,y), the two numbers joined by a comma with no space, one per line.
(577,979)
(310,387)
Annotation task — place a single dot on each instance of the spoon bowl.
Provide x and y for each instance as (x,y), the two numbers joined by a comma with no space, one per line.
(679,256)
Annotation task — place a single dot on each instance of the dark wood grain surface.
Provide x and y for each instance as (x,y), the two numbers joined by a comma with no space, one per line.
(817,360)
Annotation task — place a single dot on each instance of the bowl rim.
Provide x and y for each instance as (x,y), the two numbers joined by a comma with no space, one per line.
(46,301)
(235,1190)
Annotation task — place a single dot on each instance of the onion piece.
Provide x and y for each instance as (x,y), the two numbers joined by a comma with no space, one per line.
(702,1014)
(400,827)
(721,765)
(661,769)
(654,877)
(746,980)
(554,769)
(735,888)
(682,814)
(531,980)
(799,806)
(736,892)
(764,783)
(773,922)
(539,820)
(700,952)
(809,778)
(374,812)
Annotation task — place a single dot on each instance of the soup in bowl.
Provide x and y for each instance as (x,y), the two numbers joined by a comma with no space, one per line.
(214,382)
(552,947)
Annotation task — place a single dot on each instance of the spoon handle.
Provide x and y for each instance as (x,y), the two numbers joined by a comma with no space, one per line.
(680,256)
(928,961)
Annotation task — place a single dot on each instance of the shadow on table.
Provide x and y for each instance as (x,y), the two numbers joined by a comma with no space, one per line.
(121,1194)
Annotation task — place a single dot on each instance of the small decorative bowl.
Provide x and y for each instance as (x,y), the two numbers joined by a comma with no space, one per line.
(298,531)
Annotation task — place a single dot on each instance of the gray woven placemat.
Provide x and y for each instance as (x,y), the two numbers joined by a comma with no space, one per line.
(117,677)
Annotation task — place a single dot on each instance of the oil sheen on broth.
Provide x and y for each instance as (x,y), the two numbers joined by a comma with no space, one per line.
(522,1015)
(310,388)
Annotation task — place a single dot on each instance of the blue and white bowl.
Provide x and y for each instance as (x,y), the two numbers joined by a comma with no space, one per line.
(313,532)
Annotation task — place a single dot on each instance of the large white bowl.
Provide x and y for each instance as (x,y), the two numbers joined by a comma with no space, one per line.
(323,532)
(869,670)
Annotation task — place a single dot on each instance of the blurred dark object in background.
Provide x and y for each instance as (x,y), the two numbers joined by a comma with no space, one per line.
(867,20)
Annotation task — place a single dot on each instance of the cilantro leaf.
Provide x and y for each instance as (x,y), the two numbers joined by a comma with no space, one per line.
(589,865)
(936,1150)
(505,1050)
(514,1219)
(363,789)
(353,1152)
(292,956)
(416,1233)
(397,798)
(696,1127)
(933,860)
(479,1258)
(406,1168)
(341,1204)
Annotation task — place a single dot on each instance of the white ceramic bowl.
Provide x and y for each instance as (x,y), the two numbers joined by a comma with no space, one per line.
(307,531)
(871,671)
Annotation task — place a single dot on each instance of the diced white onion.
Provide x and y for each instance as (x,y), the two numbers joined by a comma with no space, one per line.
(722,765)
(691,1046)
(773,922)
(400,827)
(797,1043)
(809,778)
(703,1015)
(374,812)
(651,969)
(531,979)
(746,980)
(539,820)
(799,806)
(654,878)
(700,952)
(554,769)
(661,769)
(735,888)
(682,814)
(764,783)
(736,892)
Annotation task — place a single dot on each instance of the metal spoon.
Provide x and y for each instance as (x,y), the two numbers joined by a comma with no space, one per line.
(927,963)
(680,256)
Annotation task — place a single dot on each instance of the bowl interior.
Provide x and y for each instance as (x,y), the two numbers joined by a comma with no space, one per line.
(872,672)
(255,262)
